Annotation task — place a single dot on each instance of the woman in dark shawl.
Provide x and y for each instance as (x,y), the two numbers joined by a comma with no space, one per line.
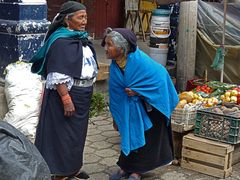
(67,61)
(142,98)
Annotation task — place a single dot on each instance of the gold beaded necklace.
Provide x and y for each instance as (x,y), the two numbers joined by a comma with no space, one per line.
(122,62)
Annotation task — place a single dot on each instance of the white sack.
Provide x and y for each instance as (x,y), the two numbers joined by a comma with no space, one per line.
(23,91)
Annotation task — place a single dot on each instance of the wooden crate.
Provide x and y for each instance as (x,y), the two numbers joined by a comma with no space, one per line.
(103,72)
(207,156)
(236,154)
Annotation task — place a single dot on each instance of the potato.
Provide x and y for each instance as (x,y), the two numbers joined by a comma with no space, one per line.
(228,111)
(217,110)
(235,109)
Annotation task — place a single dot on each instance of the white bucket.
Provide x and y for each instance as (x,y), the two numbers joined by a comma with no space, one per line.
(160,45)
(159,55)
(160,27)
(160,24)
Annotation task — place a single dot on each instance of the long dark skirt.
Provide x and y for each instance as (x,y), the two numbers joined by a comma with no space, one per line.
(61,139)
(158,150)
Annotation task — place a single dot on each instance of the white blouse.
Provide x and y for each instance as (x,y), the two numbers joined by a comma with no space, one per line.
(89,71)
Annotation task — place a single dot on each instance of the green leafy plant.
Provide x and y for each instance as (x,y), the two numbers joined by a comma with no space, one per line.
(97,104)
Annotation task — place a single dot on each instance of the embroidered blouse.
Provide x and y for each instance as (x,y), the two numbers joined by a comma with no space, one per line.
(89,71)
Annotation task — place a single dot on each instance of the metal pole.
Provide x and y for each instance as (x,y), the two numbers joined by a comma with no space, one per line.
(223,37)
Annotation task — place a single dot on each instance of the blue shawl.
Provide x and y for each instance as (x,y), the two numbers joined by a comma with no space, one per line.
(39,58)
(151,80)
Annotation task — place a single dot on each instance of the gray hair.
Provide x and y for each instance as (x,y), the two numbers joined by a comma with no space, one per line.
(118,40)
(70,15)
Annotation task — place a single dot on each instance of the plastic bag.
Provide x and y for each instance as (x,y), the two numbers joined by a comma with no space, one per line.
(218,62)
(23,91)
(19,158)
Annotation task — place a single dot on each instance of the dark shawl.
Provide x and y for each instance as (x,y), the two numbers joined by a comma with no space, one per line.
(65,56)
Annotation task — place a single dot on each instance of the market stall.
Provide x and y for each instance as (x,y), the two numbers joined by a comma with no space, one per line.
(210,110)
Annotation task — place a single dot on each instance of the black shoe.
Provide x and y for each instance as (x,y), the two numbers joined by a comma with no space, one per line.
(81,175)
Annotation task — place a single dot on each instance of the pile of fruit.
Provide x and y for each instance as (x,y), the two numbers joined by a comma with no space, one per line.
(189,99)
(232,96)
(208,95)
(204,88)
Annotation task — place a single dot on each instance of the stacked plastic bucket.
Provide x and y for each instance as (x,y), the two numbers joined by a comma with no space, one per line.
(160,32)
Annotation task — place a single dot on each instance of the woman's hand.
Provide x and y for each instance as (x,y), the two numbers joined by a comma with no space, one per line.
(68,105)
(131,92)
(69,108)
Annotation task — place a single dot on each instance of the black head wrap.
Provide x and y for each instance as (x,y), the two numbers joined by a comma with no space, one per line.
(66,8)
(128,35)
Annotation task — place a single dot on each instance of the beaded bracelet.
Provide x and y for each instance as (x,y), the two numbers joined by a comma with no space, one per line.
(66,99)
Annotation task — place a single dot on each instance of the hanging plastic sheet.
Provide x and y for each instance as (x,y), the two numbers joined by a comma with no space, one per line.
(209,38)
(210,22)
(19,158)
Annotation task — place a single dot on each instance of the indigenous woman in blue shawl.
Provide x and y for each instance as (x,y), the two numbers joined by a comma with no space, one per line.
(67,61)
(142,98)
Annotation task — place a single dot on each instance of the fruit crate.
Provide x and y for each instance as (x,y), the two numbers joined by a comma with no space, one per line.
(183,117)
(207,156)
(218,127)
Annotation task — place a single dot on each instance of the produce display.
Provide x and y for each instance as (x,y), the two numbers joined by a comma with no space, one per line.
(210,94)
(221,99)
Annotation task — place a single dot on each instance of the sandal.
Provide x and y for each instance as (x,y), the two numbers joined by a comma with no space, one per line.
(118,175)
(131,177)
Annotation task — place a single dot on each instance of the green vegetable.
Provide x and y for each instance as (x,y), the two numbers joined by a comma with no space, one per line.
(217,92)
(220,85)
(203,94)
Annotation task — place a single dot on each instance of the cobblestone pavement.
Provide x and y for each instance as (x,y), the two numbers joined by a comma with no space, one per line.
(102,151)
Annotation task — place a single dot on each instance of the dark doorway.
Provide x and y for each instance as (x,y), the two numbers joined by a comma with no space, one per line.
(103,14)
